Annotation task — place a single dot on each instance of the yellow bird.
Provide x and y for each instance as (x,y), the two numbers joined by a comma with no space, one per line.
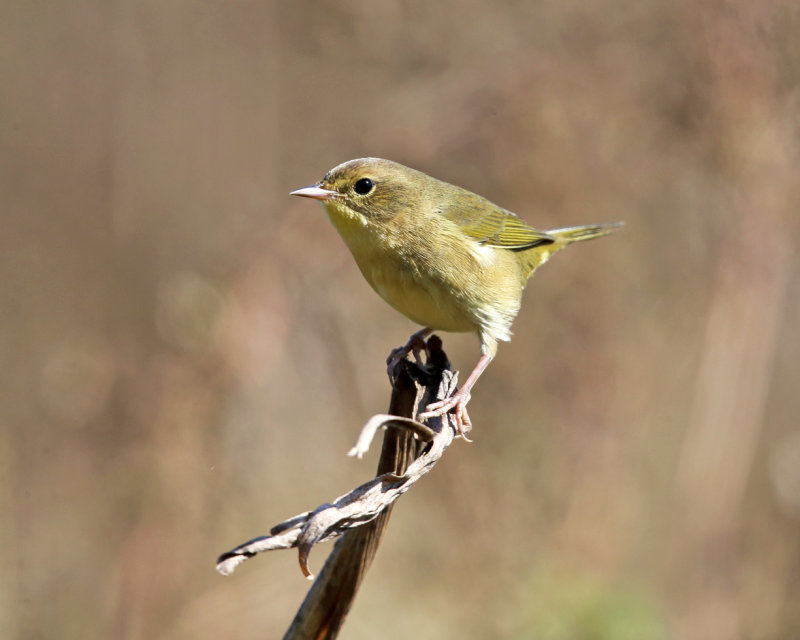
(442,256)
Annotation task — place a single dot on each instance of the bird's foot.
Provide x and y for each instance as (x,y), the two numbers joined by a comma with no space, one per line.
(455,404)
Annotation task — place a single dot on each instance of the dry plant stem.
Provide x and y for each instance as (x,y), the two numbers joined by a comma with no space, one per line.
(329,600)
(410,450)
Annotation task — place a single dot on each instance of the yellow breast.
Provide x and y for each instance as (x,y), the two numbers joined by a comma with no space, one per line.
(418,298)
(466,289)
(404,281)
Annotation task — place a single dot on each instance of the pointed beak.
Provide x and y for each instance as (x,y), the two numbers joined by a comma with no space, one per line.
(316,192)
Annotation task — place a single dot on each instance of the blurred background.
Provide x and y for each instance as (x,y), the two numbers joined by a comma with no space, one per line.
(189,352)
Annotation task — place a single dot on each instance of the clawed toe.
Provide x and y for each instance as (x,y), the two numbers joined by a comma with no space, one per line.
(455,404)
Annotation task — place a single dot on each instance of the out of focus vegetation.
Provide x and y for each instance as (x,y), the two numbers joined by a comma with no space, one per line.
(188,352)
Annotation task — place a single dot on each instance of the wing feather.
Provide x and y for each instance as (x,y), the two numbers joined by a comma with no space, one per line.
(493,226)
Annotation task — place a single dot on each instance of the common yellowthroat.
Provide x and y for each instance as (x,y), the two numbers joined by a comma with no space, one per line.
(441,255)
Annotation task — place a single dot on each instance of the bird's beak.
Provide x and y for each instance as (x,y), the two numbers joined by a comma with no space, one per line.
(316,192)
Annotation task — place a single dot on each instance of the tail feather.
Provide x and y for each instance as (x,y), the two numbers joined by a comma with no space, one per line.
(568,235)
(540,254)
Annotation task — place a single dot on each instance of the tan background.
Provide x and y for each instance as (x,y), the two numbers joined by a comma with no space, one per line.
(188,352)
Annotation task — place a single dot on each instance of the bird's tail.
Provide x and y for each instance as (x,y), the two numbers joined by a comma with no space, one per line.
(568,235)
(562,237)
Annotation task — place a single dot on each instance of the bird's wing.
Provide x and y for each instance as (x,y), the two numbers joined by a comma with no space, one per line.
(491,225)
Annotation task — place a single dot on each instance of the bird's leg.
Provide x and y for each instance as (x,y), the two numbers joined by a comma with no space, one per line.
(457,403)
(415,344)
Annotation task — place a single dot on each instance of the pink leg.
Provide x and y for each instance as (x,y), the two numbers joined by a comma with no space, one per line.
(458,401)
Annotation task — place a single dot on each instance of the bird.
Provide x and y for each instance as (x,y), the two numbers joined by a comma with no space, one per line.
(446,258)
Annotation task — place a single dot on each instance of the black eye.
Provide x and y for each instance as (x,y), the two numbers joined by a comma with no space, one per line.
(363,187)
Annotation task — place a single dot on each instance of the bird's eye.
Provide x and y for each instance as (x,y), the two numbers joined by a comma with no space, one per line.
(363,187)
